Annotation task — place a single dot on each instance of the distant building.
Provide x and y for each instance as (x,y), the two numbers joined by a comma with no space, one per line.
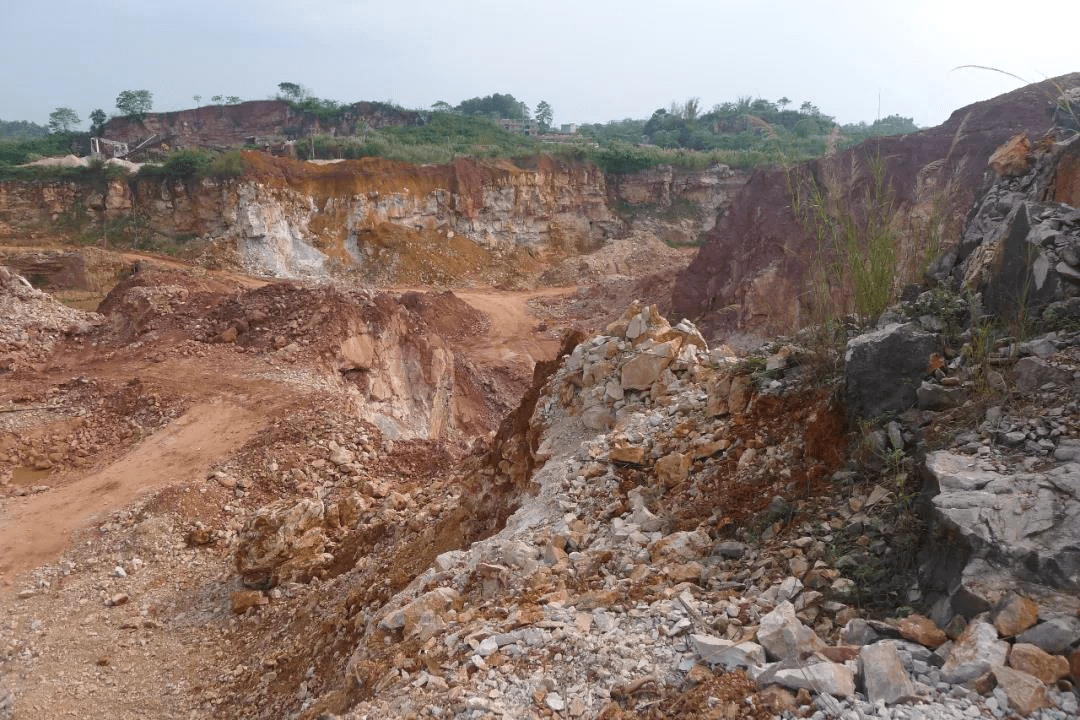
(520,127)
(568,128)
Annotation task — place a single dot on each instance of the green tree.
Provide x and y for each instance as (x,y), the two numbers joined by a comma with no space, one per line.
(292,91)
(893,125)
(691,108)
(97,122)
(21,129)
(233,100)
(442,106)
(135,102)
(196,98)
(63,120)
(216,99)
(497,105)
(543,115)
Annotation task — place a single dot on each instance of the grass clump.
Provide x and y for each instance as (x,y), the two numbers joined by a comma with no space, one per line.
(856,256)
(193,165)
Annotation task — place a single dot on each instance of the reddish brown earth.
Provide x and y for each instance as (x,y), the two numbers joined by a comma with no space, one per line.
(111,438)
(752,274)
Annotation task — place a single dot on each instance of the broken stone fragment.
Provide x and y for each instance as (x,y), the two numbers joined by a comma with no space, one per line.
(883,368)
(783,636)
(883,673)
(1026,693)
(1038,663)
(623,452)
(673,469)
(977,650)
(645,366)
(1053,636)
(1014,614)
(1013,158)
(823,677)
(243,600)
(726,653)
(921,629)
(423,617)
(282,542)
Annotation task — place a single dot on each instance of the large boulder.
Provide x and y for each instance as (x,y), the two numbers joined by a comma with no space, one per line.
(282,542)
(977,650)
(1001,530)
(883,369)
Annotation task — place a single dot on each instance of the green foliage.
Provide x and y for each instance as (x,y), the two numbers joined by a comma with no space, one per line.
(63,120)
(543,115)
(97,122)
(95,174)
(496,106)
(319,109)
(442,138)
(190,165)
(747,133)
(857,250)
(853,134)
(977,352)
(627,131)
(17,152)
(226,166)
(291,92)
(622,157)
(135,103)
(21,130)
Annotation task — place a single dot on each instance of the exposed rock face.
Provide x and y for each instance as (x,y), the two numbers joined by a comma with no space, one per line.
(677,205)
(1023,524)
(234,124)
(1021,245)
(390,222)
(751,275)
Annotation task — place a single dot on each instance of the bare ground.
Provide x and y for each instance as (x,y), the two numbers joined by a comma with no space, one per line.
(134,449)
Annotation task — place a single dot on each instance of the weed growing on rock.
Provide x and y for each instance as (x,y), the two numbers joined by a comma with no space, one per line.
(855,263)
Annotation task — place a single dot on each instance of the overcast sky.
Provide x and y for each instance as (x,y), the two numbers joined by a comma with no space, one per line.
(591,60)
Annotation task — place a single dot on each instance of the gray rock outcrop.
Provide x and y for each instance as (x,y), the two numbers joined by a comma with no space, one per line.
(884,368)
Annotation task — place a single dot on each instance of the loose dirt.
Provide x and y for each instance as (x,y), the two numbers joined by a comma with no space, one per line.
(36,529)
(134,446)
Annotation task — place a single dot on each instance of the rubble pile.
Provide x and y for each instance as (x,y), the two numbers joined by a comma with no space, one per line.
(32,321)
(600,594)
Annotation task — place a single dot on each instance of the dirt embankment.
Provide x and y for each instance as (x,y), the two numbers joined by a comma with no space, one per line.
(755,269)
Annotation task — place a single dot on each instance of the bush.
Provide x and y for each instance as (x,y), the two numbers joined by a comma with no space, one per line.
(17,152)
(189,165)
(229,165)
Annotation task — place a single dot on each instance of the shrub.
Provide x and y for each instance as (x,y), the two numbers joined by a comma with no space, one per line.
(229,165)
(189,165)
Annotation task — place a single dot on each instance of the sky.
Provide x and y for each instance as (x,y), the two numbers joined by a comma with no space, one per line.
(591,60)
